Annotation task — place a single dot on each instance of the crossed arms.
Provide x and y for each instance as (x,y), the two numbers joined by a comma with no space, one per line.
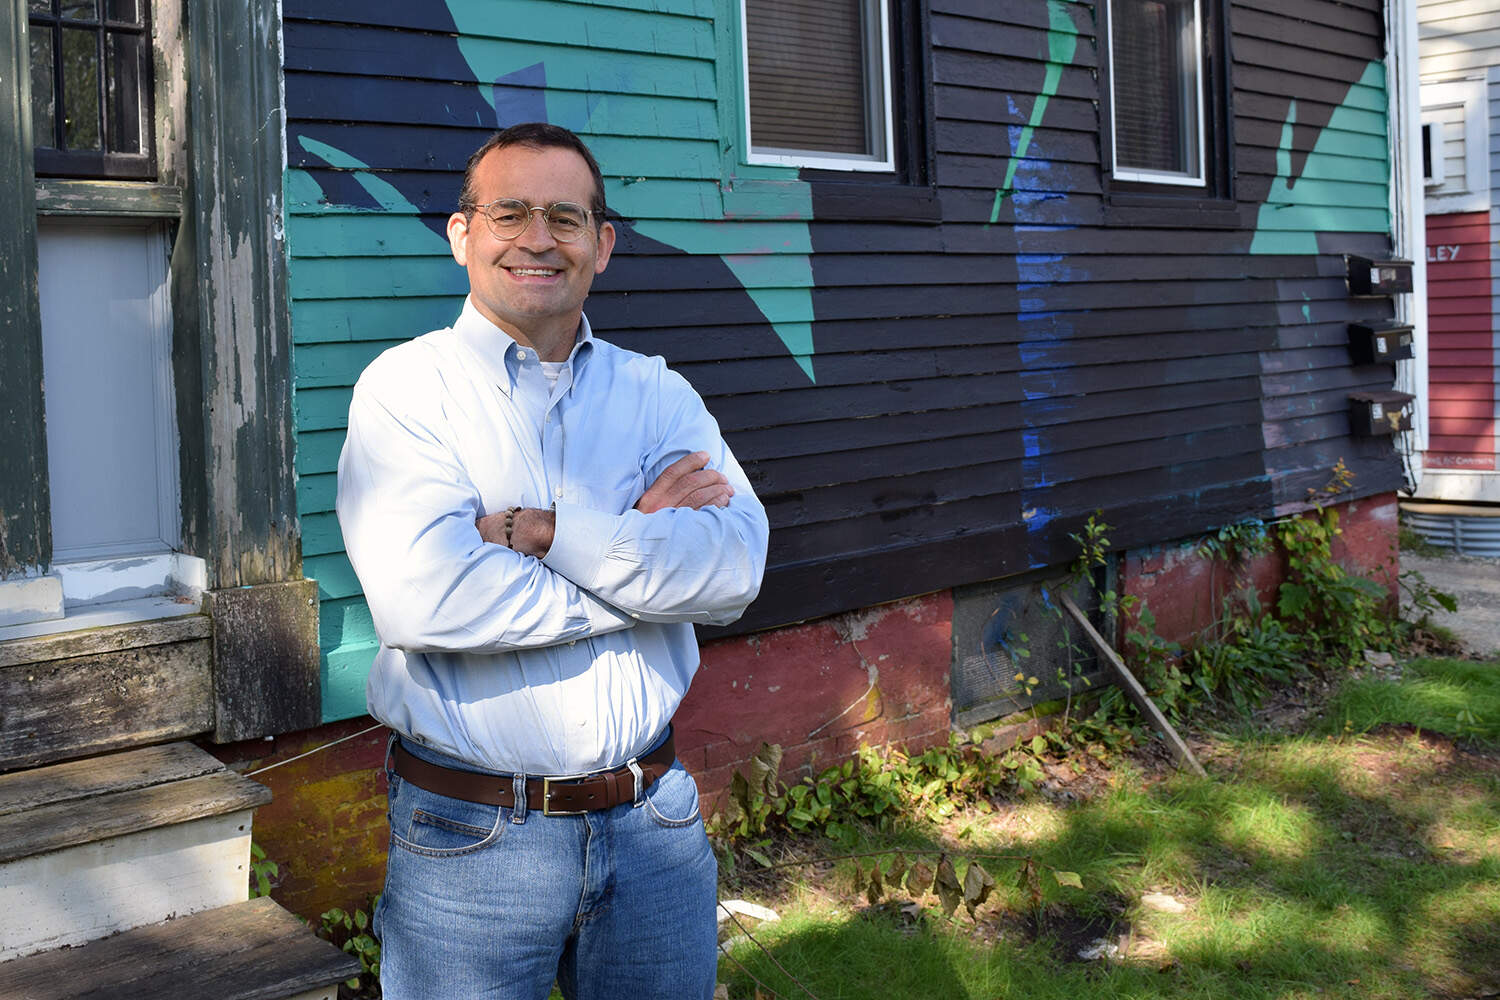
(692,549)
(687,483)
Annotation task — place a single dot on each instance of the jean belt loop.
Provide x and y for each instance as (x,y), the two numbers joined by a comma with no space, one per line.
(518,783)
(390,748)
(640,782)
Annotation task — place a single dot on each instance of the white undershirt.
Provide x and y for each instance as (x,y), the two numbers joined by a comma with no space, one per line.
(552,369)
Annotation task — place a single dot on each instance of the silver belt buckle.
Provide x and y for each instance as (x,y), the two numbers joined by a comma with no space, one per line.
(547,809)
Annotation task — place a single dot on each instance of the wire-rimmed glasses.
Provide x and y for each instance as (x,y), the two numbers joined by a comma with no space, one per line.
(509,217)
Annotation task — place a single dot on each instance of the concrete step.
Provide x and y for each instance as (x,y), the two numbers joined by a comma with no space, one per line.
(93,847)
(252,950)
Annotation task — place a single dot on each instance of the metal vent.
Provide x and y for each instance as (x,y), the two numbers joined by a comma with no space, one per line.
(1468,530)
(1004,629)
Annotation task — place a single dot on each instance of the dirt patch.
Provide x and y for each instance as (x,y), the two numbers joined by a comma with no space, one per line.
(1443,754)
(1071,935)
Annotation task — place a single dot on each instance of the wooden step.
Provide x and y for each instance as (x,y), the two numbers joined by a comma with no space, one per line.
(92,847)
(252,950)
(106,688)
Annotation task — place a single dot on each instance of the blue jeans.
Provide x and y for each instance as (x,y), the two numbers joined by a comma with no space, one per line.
(481,901)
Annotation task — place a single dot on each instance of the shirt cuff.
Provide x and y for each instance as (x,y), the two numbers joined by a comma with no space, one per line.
(580,541)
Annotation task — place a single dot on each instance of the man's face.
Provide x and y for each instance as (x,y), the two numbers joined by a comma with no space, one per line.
(531,285)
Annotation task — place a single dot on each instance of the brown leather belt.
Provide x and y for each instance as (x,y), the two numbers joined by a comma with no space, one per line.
(549,796)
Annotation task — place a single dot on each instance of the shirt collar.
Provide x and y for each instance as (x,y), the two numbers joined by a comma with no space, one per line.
(497,351)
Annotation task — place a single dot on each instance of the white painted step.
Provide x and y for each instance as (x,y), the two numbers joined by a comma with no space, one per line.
(253,950)
(93,847)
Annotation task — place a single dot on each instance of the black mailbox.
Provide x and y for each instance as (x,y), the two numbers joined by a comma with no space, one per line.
(1380,340)
(1378,277)
(1384,412)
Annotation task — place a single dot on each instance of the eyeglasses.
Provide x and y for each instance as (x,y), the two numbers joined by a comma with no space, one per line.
(509,217)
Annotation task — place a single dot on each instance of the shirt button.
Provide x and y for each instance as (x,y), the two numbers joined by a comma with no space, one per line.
(521,355)
(558,493)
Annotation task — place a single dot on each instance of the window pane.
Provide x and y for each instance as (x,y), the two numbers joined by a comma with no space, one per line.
(80,10)
(80,89)
(1155,84)
(123,10)
(39,6)
(43,101)
(122,59)
(809,75)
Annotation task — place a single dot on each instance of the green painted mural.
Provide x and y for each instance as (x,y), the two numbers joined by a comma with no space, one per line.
(1062,42)
(1343,187)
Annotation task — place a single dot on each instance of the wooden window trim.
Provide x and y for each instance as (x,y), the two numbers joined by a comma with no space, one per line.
(133,199)
(1211,205)
(24,495)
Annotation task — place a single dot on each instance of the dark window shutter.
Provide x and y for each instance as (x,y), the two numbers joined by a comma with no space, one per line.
(807,75)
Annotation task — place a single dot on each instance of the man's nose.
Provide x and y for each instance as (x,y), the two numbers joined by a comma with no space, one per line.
(536,236)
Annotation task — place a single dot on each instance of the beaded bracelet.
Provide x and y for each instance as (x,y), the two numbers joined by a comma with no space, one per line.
(510,524)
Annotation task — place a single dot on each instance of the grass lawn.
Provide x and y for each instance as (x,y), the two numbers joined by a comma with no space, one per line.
(1358,857)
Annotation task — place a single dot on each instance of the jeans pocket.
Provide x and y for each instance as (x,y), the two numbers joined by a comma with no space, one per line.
(673,800)
(427,823)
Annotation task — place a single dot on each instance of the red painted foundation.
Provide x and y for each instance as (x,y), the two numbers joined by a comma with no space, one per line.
(820,689)
(1186,590)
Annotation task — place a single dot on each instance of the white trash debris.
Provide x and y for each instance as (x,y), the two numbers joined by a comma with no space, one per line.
(752,910)
(1102,948)
(1162,903)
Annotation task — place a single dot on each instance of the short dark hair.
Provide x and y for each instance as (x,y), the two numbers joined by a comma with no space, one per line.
(535,135)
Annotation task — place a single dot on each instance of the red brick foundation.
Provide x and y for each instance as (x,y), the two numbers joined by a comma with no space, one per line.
(820,690)
(1186,590)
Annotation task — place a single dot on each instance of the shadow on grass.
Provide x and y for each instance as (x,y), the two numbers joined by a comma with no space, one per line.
(1306,867)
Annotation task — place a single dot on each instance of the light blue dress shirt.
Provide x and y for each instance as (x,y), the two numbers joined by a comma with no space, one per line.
(556,666)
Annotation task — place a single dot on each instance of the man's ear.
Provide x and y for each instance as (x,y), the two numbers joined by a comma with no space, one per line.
(606,247)
(458,237)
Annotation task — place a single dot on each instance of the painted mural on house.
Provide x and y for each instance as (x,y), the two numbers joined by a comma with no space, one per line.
(932,380)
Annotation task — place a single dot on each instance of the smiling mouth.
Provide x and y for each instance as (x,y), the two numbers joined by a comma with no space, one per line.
(532,272)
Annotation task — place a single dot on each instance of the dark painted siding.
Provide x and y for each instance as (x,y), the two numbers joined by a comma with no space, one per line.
(920,404)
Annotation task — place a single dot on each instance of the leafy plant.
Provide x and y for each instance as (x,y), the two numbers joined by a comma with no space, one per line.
(262,870)
(1254,652)
(872,788)
(1423,598)
(352,932)
(1338,614)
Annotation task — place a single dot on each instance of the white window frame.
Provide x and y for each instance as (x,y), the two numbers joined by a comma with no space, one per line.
(1199,179)
(881,106)
(1474,196)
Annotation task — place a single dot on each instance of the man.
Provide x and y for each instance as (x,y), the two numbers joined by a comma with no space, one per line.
(536,518)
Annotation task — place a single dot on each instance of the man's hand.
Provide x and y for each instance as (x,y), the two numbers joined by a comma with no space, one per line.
(687,482)
(530,533)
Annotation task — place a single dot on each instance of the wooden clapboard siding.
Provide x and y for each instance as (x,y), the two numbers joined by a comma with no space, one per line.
(1457,38)
(1461,374)
(985,371)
